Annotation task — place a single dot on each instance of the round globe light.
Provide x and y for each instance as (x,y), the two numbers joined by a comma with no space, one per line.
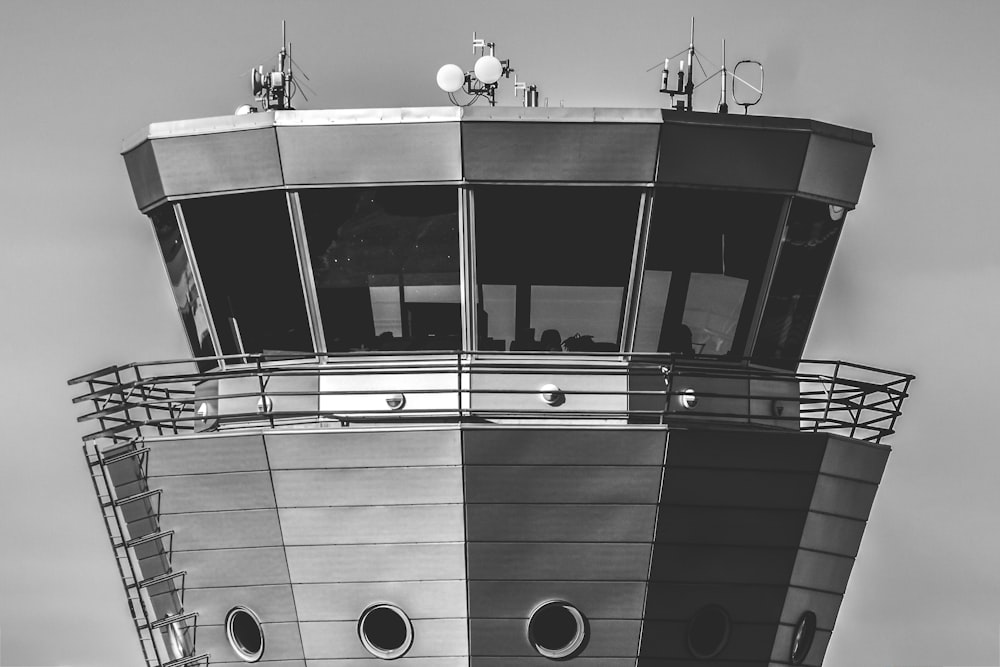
(450,78)
(489,69)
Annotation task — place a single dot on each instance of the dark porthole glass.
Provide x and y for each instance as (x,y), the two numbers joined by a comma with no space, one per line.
(245,634)
(557,630)
(802,640)
(708,632)
(385,631)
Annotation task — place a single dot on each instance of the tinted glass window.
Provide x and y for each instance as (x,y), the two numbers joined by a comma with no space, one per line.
(385,262)
(803,263)
(705,263)
(246,256)
(553,264)
(182,283)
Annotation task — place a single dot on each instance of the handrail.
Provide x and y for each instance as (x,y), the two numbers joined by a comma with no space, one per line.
(136,399)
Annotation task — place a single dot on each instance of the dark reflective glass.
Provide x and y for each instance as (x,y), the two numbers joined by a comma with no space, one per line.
(553,627)
(705,263)
(385,262)
(246,632)
(708,632)
(182,283)
(246,256)
(803,263)
(552,265)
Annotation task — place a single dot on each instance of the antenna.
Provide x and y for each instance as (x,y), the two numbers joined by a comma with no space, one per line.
(686,86)
(274,90)
(482,80)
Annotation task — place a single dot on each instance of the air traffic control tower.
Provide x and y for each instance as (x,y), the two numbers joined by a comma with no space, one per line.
(489,387)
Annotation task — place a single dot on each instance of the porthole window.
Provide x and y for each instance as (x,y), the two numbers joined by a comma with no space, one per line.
(557,630)
(805,632)
(245,634)
(386,631)
(708,632)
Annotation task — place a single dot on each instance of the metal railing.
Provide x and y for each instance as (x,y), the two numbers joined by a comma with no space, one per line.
(170,397)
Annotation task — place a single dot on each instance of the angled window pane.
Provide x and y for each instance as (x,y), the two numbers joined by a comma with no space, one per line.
(553,265)
(182,283)
(804,260)
(705,263)
(385,263)
(246,256)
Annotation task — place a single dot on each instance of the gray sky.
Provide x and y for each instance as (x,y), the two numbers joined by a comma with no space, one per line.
(913,286)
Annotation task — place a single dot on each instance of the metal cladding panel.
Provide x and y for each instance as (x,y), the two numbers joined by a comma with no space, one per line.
(560,523)
(824,605)
(562,484)
(281,642)
(406,661)
(744,603)
(748,450)
(433,391)
(682,524)
(509,638)
(214,491)
(223,530)
(349,449)
(232,567)
(386,153)
(833,534)
(517,599)
(346,602)
(564,446)
(295,393)
(834,169)
(388,524)
(822,572)
(731,157)
(538,661)
(269,663)
(855,459)
(738,488)
(377,562)
(339,487)
(241,453)
(217,163)
(737,565)
(144,175)
(844,497)
(783,647)
(531,561)
(749,644)
(717,397)
(339,639)
(272,603)
(521,392)
(554,152)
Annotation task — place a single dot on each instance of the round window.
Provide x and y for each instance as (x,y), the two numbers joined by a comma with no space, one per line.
(245,634)
(708,632)
(805,632)
(557,630)
(386,631)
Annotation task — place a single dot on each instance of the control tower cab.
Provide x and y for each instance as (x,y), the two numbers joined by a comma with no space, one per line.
(491,386)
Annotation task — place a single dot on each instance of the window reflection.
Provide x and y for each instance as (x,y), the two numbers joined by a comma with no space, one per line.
(705,263)
(182,283)
(803,263)
(552,265)
(246,256)
(385,263)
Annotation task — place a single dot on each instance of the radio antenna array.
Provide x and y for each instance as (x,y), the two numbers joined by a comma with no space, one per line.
(275,89)
(685,86)
(481,81)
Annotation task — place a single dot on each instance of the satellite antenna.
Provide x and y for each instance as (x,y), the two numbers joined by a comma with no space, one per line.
(275,89)
(685,85)
(482,80)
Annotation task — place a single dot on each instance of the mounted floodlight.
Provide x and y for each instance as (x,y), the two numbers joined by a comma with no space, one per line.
(489,69)
(450,78)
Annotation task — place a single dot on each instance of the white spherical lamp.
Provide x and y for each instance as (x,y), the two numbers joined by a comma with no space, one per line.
(450,78)
(489,69)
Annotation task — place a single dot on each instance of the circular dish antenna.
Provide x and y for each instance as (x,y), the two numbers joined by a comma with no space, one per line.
(489,69)
(450,78)
(256,83)
(242,110)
